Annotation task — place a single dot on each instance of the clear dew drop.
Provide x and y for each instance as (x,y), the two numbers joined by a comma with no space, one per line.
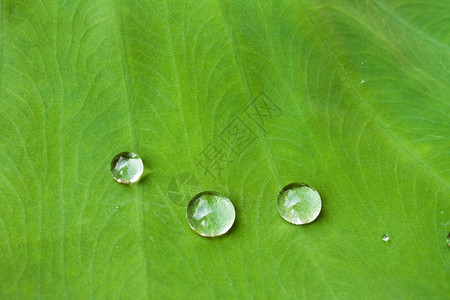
(299,203)
(385,237)
(117,206)
(126,167)
(362,81)
(210,214)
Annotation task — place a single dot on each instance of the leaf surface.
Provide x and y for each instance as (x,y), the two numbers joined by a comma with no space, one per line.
(239,97)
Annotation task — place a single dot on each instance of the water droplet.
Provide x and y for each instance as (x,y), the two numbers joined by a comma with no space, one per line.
(448,239)
(385,237)
(362,81)
(117,206)
(126,167)
(210,214)
(299,203)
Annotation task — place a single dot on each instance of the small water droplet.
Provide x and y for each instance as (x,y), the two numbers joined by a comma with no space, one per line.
(448,239)
(126,167)
(117,206)
(299,203)
(362,62)
(385,237)
(442,212)
(362,81)
(210,214)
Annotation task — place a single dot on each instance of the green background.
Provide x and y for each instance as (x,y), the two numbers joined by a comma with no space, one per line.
(359,92)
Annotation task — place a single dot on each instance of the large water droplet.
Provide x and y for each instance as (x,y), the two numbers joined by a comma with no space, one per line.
(210,214)
(127,167)
(385,237)
(299,203)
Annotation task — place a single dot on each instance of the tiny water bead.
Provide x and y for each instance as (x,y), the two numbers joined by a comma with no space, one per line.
(210,214)
(299,203)
(385,237)
(126,167)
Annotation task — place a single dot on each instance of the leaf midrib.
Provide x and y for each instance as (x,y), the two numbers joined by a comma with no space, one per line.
(118,22)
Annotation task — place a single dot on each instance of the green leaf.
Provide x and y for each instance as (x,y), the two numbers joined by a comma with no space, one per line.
(242,98)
